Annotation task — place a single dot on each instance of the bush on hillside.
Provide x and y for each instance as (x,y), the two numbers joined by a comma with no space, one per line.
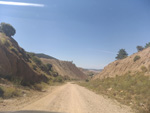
(13,49)
(34,67)
(8,29)
(121,54)
(136,58)
(87,80)
(49,66)
(144,69)
(147,45)
(9,92)
(37,60)
(58,79)
(139,48)
(40,86)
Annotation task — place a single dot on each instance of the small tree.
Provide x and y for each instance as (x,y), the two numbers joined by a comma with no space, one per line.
(147,45)
(8,29)
(49,66)
(139,48)
(121,54)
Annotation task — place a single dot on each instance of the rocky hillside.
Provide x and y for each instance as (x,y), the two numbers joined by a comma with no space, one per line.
(135,63)
(16,64)
(65,68)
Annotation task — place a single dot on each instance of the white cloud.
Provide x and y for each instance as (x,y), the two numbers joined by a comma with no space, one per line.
(21,4)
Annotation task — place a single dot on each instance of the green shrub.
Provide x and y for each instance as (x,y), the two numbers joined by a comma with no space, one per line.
(58,79)
(140,48)
(147,45)
(14,79)
(87,80)
(37,60)
(9,92)
(144,69)
(5,42)
(34,67)
(13,49)
(49,66)
(40,86)
(136,58)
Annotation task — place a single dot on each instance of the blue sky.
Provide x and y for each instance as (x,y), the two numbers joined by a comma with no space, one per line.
(87,32)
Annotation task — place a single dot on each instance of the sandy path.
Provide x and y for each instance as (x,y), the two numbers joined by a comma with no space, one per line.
(71,98)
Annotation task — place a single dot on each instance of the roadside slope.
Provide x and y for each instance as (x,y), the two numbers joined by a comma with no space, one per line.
(15,63)
(65,68)
(121,67)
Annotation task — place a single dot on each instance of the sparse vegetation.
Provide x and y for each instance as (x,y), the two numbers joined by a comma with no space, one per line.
(144,69)
(34,67)
(87,80)
(149,67)
(121,54)
(37,60)
(5,42)
(13,49)
(147,45)
(58,79)
(129,89)
(139,48)
(136,58)
(40,86)
(9,92)
(49,66)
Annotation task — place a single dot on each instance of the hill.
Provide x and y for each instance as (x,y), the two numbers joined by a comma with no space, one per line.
(15,63)
(65,68)
(27,68)
(90,72)
(126,81)
(137,62)
(41,55)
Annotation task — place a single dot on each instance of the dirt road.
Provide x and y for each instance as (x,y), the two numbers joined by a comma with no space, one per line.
(72,98)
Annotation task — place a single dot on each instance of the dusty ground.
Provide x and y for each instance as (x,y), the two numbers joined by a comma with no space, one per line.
(29,97)
(72,98)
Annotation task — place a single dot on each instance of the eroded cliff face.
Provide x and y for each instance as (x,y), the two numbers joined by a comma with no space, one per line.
(127,65)
(14,62)
(65,68)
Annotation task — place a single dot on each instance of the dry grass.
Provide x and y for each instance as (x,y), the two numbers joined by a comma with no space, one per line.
(132,90)
(41,86)
(9,92)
